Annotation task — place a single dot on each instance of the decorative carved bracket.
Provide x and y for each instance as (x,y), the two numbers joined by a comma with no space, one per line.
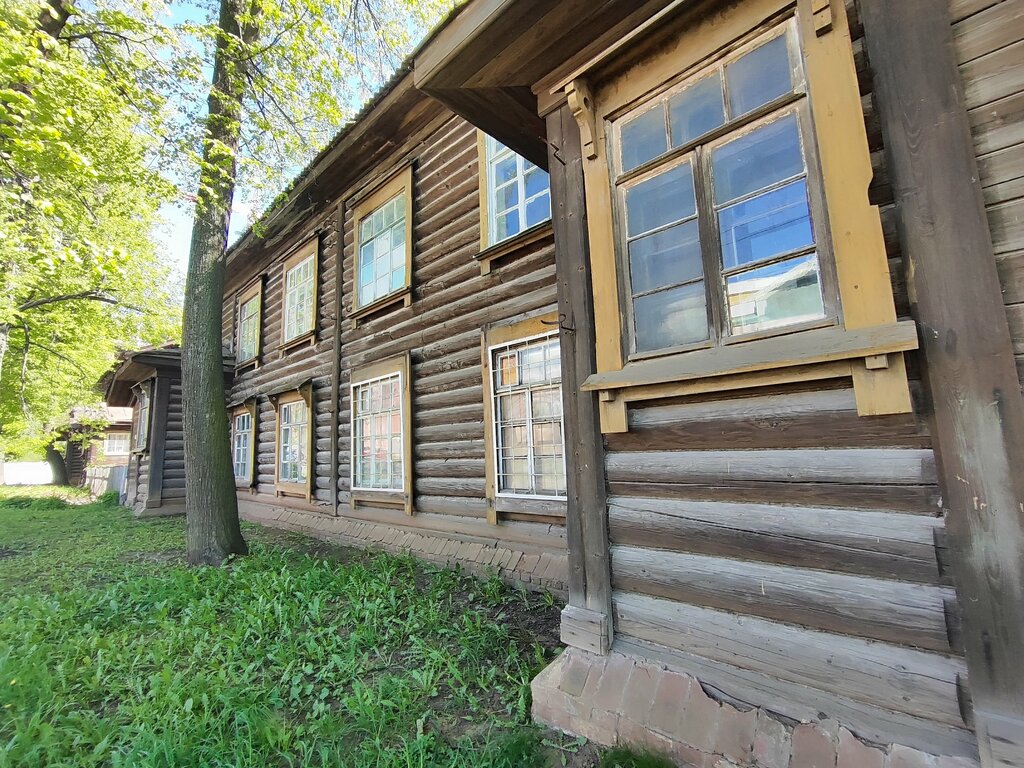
(581,102)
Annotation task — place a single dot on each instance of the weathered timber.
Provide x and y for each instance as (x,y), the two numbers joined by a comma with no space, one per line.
(970,370)
(870,543)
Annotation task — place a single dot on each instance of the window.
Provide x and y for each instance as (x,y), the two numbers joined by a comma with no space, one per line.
(140,417)
(116,444)
(726,226)
(529,454)
(381,433)
(516,195)
(249,324)
(377,434)
(713,192)
(383,224)
(242,446)
(300,293)
(293,442)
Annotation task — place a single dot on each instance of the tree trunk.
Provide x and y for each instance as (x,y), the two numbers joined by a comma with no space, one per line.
(211,509)
(57,466)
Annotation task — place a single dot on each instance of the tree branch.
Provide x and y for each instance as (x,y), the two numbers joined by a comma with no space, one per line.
(83,296)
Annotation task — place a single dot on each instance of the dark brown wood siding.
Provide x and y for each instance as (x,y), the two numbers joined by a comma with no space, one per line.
(441,330)
(790,551)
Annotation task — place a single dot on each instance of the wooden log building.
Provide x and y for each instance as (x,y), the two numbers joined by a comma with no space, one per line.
(105,447)
(741,377)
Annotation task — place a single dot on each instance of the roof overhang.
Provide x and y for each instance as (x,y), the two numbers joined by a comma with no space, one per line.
(494,63)
(144,364)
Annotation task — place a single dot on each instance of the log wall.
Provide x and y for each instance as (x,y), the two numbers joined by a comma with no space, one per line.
(441,330)
(788,552)
(989,41)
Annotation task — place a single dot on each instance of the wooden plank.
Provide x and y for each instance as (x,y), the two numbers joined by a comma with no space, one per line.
(872,543)
(993,76)
(818,346)
(999,124)
(157,439)
(989,30)
(841,465)
(978,409)
(882,609)
(586,508)
(904,680)
(911,499)
(746,689)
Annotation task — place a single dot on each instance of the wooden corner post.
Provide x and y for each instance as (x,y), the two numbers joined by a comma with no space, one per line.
(978,419)
(587,620)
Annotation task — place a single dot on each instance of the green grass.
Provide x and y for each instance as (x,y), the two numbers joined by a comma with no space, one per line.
(114,653)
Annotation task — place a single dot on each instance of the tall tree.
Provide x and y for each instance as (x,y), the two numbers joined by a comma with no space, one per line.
(281,71)
(79,275)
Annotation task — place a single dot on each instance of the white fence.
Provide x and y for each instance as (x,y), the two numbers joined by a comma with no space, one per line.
(101,480)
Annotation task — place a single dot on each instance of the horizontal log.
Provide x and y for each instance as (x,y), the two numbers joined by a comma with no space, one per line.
(880,544)
(911,499)
(914,682)
(881,609)
(847,465)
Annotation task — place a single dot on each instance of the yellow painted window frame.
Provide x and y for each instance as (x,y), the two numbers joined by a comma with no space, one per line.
(253,291)
(492,336)
(403,499)
(868,346)
(490,252)
(392,186)
(304,393)
(249,406)
(308,249)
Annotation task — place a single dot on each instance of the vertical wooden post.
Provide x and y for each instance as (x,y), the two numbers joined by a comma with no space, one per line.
(969,366)
(586,621)
(339,273)
(160,401)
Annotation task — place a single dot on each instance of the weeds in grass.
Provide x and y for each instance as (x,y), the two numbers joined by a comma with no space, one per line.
(112,656)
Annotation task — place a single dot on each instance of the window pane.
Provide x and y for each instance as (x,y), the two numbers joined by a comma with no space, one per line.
(506,197)
(760,76)
(504,170)
(668,257)
(538,210)
(670,318)
(547,403)
(661,200)
(696,110)
(643,138)
(535,181)
(508,225)
(776,295)
(768,225)
(759,159)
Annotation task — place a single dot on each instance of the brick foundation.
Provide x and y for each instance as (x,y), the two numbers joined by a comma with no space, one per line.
(534,567)
(623,699)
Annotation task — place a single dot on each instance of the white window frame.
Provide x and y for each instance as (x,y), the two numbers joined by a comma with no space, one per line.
(141,417)
(245,449)
(494,153)
(301,326)
(398,375)
(127,440)
(495,393)
(303,429)
(252,296)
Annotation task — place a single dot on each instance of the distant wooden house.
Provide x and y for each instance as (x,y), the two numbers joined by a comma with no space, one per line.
(97,463)
(739,376)
(148,382)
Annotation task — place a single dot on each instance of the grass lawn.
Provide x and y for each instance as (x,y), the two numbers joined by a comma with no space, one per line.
(114,653)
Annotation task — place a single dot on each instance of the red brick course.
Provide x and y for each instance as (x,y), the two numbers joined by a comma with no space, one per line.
(624,699)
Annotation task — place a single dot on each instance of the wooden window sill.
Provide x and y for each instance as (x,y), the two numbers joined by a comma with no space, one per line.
(292,489)
(308,338)
(252,362)
(822,345)
(397,499)
(530,506)
(538,233)
(403,295)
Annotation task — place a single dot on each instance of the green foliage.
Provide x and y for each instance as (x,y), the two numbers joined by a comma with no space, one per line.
(114,653)
(622,757)
(79,274)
